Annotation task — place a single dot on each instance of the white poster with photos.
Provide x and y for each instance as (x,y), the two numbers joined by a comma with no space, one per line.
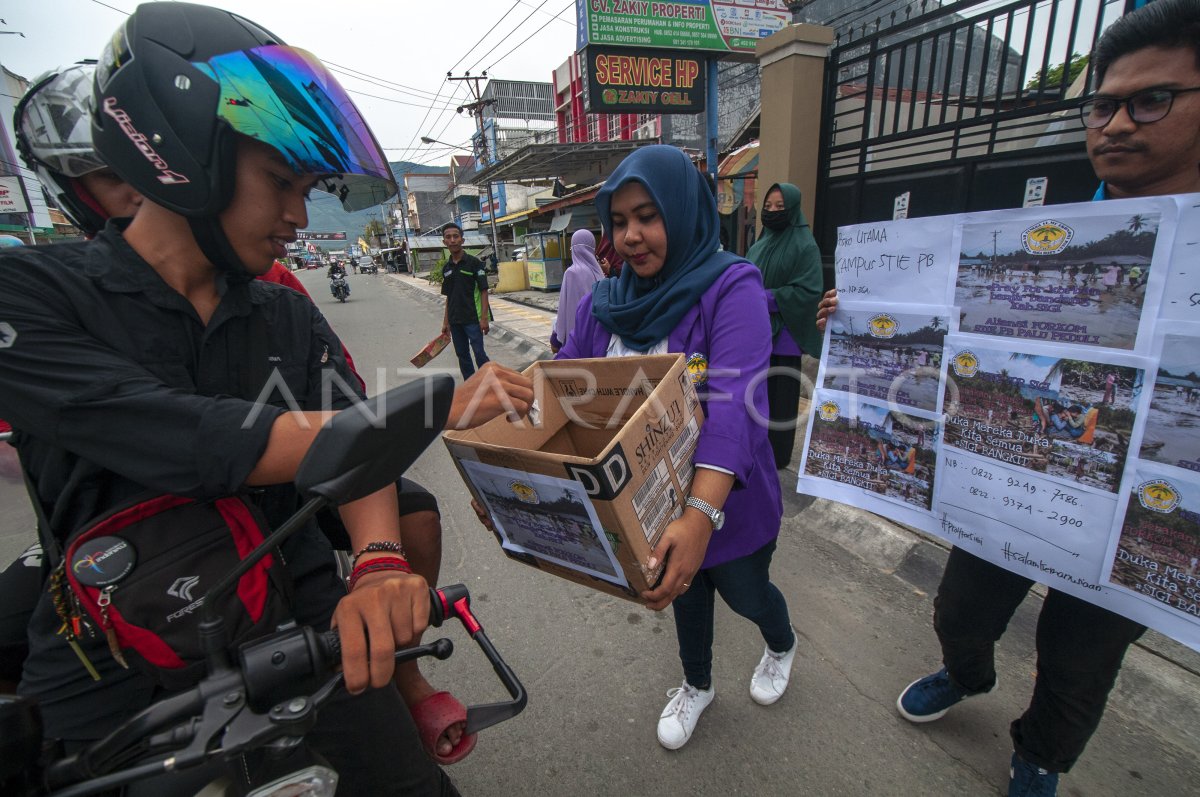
(1063,439)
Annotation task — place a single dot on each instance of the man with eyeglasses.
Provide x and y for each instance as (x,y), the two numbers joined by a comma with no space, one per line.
(1143,138)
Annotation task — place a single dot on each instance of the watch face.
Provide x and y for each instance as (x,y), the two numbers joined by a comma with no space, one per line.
(718,520)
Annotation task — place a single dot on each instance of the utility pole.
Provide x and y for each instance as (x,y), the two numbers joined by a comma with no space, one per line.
(409,263)
(476,109)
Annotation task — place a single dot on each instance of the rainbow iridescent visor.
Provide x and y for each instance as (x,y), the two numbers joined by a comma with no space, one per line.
(285,97)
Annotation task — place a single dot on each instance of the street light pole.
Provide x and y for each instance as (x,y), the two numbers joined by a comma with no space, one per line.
(476,110)
(491,199)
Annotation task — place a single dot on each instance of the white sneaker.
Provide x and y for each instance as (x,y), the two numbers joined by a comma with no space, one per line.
(771,676)
(679,718)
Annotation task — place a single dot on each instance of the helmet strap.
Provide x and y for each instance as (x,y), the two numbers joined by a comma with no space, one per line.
(213,242)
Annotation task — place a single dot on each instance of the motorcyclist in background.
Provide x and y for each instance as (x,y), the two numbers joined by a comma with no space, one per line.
(337,271)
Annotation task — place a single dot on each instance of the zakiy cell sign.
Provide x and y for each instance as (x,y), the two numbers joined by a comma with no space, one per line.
(625,80)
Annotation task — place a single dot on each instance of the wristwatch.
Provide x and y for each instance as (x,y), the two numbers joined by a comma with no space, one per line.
(715,515)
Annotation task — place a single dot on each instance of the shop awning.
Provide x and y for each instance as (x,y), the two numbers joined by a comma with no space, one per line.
(736,178)
(512,218)
(584,163)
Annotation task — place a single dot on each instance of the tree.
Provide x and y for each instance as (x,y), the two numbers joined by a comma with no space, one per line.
(1136,223)
(1054,74)
(373,228)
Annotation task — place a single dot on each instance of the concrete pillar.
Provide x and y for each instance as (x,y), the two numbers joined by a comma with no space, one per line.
(793,82)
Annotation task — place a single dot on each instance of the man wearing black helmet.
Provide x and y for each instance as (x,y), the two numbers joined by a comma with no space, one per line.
(123,372)
(53,136)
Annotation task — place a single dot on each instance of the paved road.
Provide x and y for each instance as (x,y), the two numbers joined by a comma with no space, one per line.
(597,668)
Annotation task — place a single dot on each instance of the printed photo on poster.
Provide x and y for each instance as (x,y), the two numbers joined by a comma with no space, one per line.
(887,355)
(1173,422)
(1158,551)
(867,446)
(549,518)
(1070,419)
(1076,279)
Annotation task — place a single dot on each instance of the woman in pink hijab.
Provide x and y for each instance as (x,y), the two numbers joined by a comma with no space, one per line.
(577,283)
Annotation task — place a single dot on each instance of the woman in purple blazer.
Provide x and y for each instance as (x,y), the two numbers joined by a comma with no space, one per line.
(679,293)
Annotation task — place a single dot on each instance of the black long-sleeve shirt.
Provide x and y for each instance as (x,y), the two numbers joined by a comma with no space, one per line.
(115,386)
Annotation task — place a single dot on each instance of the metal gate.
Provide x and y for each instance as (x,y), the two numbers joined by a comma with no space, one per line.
(956,106)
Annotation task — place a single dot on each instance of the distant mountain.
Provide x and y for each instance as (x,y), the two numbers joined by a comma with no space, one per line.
(325,214)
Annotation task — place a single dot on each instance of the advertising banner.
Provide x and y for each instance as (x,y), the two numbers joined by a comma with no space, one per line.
(11,198)
(720,26)
(1025,384)
(309,235)
(628,80)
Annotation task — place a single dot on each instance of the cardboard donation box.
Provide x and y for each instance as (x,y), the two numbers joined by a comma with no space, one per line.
(430,350)
(585,486)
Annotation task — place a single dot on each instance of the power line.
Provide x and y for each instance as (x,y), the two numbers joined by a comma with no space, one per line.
(114,8)
(378,81)
(514,30)
(392,99)
(570,5)
(552,19)
(489,32)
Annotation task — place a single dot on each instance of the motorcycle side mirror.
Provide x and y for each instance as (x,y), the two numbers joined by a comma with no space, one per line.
(365,448)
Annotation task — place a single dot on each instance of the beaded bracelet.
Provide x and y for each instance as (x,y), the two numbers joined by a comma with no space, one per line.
(383,563)
(387,546)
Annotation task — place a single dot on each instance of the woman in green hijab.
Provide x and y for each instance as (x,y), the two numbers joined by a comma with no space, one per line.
(790,262)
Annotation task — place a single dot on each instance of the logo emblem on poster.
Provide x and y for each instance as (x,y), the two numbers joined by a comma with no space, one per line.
(1158,495)
(1047,237)
(829,411)
(524,492)
(697,366)
(965,363)
(883,326)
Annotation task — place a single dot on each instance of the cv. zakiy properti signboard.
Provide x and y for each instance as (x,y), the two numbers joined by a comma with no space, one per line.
(721,26)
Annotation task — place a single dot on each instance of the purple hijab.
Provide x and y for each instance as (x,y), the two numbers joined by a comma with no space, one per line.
(577,282)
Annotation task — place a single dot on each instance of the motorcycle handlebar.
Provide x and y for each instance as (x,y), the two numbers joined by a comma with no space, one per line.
(441,607)
(455,602)
(267,668)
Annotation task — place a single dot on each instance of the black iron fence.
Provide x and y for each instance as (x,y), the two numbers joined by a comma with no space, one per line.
(930,99)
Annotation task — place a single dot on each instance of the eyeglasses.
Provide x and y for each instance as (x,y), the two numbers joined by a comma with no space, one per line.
(1143,107)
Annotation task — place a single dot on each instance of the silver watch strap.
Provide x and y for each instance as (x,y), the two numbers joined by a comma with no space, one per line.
(704,507)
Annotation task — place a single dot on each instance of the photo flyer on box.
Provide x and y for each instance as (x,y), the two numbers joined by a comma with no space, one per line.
(547,518)
(887,354)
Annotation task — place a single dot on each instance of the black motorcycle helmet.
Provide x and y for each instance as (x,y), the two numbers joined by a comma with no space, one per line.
(178,82)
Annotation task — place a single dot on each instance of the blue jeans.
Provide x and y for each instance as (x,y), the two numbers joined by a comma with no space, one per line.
(468,337)
(744,584)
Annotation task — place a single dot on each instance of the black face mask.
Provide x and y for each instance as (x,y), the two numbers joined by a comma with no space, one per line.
(775,219)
